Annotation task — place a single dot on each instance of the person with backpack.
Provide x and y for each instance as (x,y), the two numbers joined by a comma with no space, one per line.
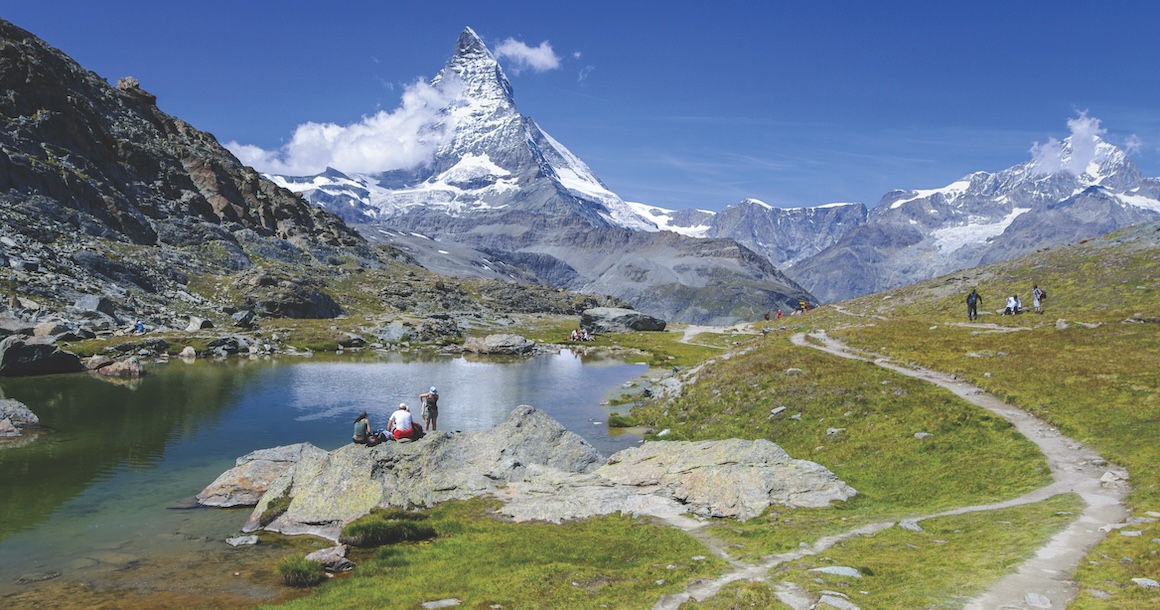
(1037,296)
(973,301)
(430,402)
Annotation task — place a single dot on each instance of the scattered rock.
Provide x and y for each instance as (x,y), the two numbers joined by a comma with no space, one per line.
(196,324)
(922,435)
(15,417)
(129,367)
(1147,583)
(1037,600)
(834,601)
(499,344)
(443,603)
(242,540)
(333,559)
(839,571)
(618,320)
(910,525)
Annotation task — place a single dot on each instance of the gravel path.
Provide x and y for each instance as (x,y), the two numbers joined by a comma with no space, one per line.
(1044,580)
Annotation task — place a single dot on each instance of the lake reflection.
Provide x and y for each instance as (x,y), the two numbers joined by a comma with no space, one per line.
(89,499)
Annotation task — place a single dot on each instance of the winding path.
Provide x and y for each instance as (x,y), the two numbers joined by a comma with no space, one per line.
(1043,580)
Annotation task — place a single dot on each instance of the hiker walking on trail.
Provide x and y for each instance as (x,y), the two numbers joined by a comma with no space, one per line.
(430,402)
(973,301)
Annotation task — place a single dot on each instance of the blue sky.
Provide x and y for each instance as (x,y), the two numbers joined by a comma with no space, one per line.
(676,104)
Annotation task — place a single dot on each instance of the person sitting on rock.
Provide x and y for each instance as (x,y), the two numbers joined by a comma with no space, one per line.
(362,429)
(401,424)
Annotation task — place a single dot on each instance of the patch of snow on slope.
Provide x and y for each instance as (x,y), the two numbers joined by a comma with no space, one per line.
(950,191)
(472,167)
(952,238)
(662,218)
(1140,201)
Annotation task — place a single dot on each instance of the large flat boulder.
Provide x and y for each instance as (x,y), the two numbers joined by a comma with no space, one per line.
(603,320)
(21,355)
(541,471)
(499,344)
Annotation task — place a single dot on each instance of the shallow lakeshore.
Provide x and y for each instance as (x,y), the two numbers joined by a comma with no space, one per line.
(94,511)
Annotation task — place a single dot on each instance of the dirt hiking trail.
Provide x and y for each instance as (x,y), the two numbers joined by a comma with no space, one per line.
(1044,580)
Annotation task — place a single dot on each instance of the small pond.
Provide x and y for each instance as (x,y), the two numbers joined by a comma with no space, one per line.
(89,508)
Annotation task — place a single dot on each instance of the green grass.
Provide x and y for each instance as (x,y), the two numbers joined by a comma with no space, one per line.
(953,559)
(386,527)
(300,572)
(612,561)
(859,421)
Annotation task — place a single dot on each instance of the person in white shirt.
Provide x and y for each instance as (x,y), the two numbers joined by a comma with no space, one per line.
(401,424)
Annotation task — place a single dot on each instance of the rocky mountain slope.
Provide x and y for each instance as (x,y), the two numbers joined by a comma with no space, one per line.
(103,195)
(500,185)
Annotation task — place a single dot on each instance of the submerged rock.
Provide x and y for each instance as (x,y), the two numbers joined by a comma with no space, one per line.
(15,417)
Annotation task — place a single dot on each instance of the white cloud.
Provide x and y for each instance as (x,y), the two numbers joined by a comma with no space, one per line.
(1085,135)
(405,138)
(539,59)
(583,76)
(1133,144)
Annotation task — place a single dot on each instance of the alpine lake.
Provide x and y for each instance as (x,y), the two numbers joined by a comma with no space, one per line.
(96,508)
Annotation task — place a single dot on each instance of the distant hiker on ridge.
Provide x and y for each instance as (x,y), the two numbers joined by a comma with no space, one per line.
(973,301)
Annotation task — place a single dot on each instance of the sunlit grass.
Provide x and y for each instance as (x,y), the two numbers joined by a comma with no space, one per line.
(951,560)
(615,561)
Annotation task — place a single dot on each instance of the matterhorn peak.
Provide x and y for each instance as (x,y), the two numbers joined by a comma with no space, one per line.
(476,68)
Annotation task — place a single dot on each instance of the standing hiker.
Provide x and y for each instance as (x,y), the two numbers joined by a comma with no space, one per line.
(973,301)
(430,402)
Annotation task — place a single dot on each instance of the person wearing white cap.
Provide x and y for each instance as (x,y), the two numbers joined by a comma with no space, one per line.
(430,401)
(401,425)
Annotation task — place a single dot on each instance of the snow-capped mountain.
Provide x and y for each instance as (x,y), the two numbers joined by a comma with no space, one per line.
(783,235)
(1080,189)
(501,185)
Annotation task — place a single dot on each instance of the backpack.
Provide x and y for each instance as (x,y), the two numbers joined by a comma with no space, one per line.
(972,298)
(1042,295)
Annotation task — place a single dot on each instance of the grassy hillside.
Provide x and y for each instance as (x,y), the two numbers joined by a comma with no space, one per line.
(1086,365)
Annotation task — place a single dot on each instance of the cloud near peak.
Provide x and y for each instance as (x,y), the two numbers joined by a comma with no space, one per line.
(404,138)
(1053,156)
(537,59)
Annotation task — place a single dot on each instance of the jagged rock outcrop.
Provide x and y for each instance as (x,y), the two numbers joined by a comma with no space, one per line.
(85,165)
(541,471)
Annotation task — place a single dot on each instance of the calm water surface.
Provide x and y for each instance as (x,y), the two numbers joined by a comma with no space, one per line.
(93,500)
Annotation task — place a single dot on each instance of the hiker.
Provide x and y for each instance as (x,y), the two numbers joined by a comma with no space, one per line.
(138,327)
(767,316)
(362,429)
(401,424)
(973,301)
(778,314)
(430,402)
(1037,296)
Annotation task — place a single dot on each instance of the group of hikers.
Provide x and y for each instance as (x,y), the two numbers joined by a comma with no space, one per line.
(582,334)
(1014,303)
(401,424)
